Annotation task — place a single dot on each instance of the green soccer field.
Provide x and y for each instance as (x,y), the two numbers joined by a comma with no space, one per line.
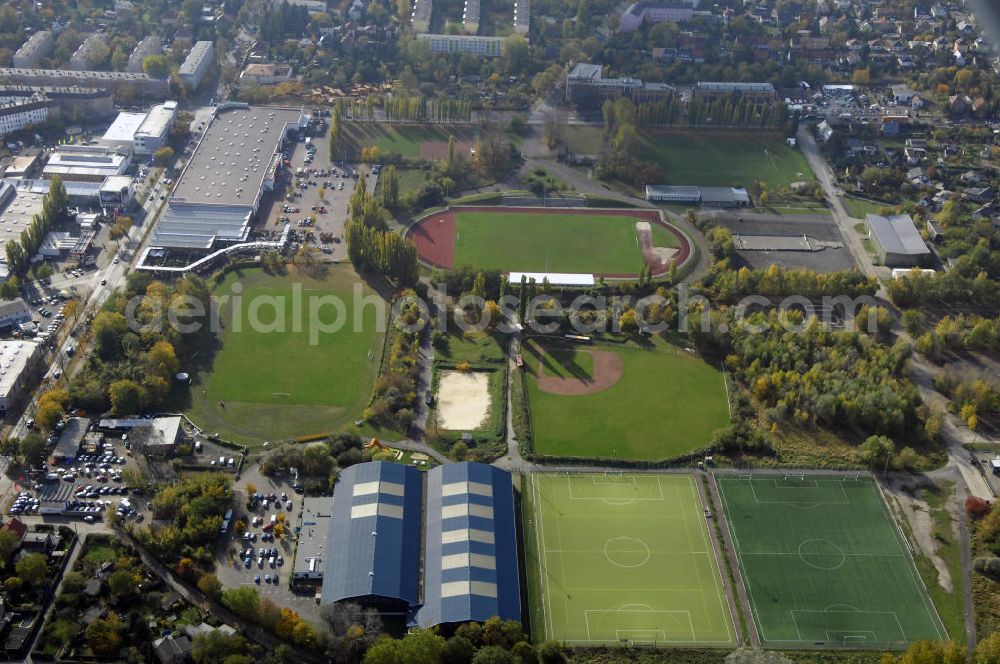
(265,385)
(667,402)
(624,558)
(520,242)
(824,564)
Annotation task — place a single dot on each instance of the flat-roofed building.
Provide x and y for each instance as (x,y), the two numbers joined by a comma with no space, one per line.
(664,193)
(197,63)
(70,440)
(587,87)
(38,46)
(89,102)
(20,167)
(715,89)
(22,113)
(138,84)
(470,16)
(20,361)
(522,16)
(117,193)
(313,541)
(470,546)
(149,45)
(234,164)
(373,555)
(420,15)
(266,73)
(121,133)
(656,12)
(86,57)
(896,240)
(154,132)
(86,163)
(487,47)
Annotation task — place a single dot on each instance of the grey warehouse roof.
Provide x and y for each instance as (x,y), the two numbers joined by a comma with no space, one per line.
(897,234)
(374,545)
(470,559)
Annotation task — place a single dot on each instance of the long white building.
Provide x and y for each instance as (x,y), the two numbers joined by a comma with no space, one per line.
(197,63)
(38,46)
(154,131)
(489,47)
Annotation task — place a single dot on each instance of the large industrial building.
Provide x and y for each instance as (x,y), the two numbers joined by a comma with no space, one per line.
(438,547)
(234,164)
(121,133)
(897,241)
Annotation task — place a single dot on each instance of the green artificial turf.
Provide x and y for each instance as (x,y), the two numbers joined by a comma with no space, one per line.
(824,564)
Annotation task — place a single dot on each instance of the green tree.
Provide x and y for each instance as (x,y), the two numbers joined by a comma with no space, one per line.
(493,655)
(126,397)
(216,646)
(876,451)
(33,449)
(164,155)
(243,601)
(551,652)
(211,586)
(33,568)
(121,583)
(988,650)
(9,543)
(457,650)
(104,636)
(119,59)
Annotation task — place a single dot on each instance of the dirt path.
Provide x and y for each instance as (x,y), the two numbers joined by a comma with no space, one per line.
(917,514)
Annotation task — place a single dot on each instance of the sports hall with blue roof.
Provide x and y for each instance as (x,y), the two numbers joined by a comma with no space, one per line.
(440,546)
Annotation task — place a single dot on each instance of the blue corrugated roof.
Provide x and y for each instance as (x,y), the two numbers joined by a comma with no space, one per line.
(481,579)
(374,550)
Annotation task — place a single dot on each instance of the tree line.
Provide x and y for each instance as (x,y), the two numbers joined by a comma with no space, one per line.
(401,107)
(20,252)
(736,112)
(371,247)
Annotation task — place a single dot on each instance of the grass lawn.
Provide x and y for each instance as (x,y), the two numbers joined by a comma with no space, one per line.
(568,363)
(624,558)
(99,554)
(664,238)
(725,158)
(667,402)
(412,179)
(472,347)
(403,139)
(547,243)
(824,564)
(709,158)
(859,208)
(266,385)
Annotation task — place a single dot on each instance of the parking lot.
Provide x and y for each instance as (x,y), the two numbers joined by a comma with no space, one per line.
(231,566)
(298,200)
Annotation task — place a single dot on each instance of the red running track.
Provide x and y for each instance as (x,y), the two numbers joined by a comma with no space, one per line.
(434,235)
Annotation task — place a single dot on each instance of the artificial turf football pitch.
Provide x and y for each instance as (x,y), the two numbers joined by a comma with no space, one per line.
(824,564)
(626,558)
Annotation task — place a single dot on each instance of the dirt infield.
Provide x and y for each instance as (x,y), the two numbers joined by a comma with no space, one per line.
(438,150)
(608,369)
(434,236)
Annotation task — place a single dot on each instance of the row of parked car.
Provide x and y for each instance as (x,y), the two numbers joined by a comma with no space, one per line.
(269,555)
(24,503)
